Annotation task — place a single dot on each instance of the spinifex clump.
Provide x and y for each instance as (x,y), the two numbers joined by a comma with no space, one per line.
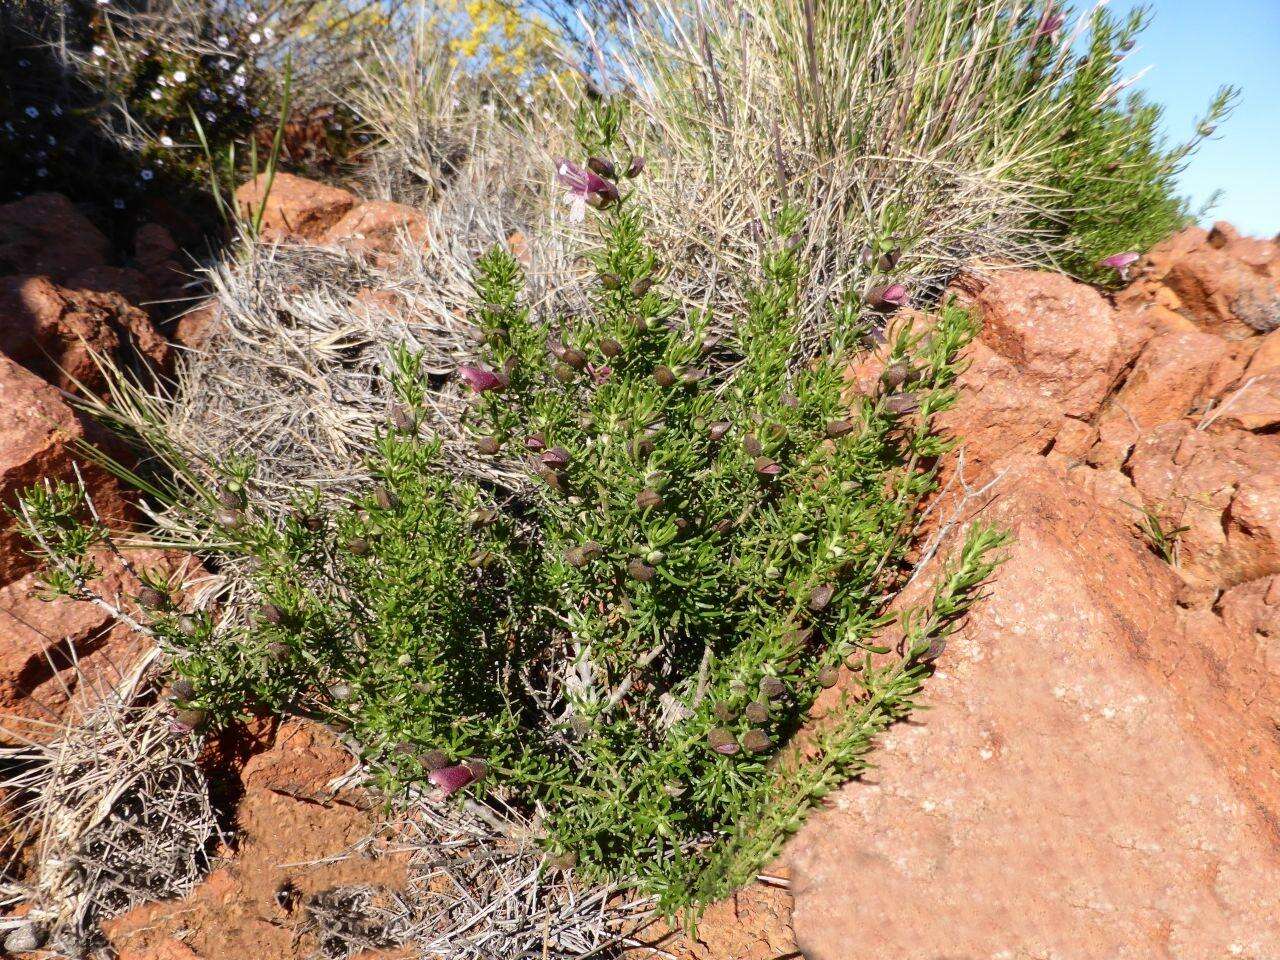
(626,646)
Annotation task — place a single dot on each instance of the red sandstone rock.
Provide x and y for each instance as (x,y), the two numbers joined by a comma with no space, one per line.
(194,328)
(54,652)
(997,413)
(380,230)
(38,432)
(304,760)
(1254,405)
(1224,485)
(1224,295)
(1170,375)
(1062,336)
(1251,612)
(1266,356)
(1084,784)
(55,332)
(45,234)
(296,209)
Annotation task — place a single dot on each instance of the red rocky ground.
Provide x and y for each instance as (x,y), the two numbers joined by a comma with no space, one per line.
(1096,775)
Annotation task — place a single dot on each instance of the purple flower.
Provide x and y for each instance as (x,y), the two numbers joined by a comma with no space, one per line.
(482,380)
(450,780)
(584,187)
(1050,23)
(1120,263)
(889,297)
(599,374)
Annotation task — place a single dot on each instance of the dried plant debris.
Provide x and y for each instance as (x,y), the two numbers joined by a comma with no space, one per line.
(116,811)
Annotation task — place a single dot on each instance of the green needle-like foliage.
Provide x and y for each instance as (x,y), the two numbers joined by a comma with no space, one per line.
(628,646)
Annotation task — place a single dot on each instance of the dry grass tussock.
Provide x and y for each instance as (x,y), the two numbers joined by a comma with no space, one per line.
(116,812)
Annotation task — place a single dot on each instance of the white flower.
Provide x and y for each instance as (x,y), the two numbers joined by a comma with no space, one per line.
(103,3)
(146,174)
(51,140)
(156,94)
(255,38)
(31,112)
(210,116)
(224,63)
(24,63)
(57,110)
(42,172)
(239,80)
(118,203)
(99,50)
(179,76)
(162,81)
(223,42)
(166,141)
(251,17)
(268,33)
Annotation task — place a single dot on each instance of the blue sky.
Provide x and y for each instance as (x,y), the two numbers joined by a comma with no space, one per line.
(1193,47)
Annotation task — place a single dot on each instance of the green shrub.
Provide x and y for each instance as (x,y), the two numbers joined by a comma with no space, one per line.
(626,647)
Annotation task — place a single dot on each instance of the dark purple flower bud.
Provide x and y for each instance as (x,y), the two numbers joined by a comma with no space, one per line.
(152,598)
(829,677)
(358,546)
(889,260)
(231,499)
(535,442)
(723,712)
(641,286)
(385,499)
(574,358)
(484,518)
(482,380)
(451,779)
(642,448)
(403,419)
(478,766)
(635,167)
(649,499)
(563,372)
(821,596)
(899,404)
(722,741)
(563,862)
(277,651)
(772,687)
(182,690)
(610,347)
(722,526)
(641,571)
(888,297)
(664,376)
(757,711)
(767,468)
(718,430)
(228,518)
(610,281)
(552,479)
(555,458)
(270,613)
(693,375)
(603,167)
(895,375)
(489,446)
(840,428)
(751,443)
(190,718)
(756,741)
(434,760)
(798,637)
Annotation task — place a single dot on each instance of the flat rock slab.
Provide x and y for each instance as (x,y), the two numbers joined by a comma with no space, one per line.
(1086,784)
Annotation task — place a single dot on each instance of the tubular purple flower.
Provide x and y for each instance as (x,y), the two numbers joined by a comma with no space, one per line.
(450,780)
(1050,23)
(482,380)
(584,187)
(1120,263)
(889,297)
